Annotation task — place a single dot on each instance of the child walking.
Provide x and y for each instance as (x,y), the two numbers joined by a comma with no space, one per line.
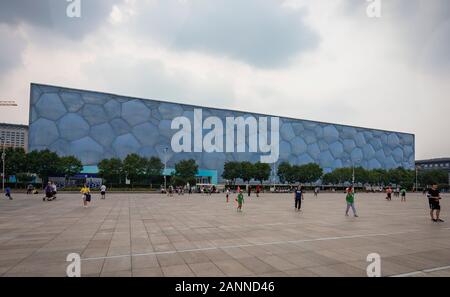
(240,201)
(350,198)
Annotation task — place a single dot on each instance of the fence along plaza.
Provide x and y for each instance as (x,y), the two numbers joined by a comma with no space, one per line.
(190,137)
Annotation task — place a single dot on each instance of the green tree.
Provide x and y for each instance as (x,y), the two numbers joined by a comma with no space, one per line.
(329,178)
(134,168)
(43,163)
(377,177)
(430,177)
(308,173)
(261,171)
(232,171)
(284,172)
(15,161)
(111,170)
(69,166)
(185,172)
(343,175)
(247,171)
(153,168)
(361,175)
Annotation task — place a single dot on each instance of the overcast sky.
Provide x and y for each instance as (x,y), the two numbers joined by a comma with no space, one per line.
(318,60)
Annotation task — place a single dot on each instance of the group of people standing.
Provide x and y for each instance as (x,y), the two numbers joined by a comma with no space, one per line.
(397,192)
(350,199)
(86,194)
(50,192)
(433,195)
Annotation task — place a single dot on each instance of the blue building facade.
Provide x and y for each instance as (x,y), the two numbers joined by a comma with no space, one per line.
(93,126)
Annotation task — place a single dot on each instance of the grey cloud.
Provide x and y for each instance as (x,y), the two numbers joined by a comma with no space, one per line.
(423,25)
(51,14)
(260,33)
(10,50)
(151,79)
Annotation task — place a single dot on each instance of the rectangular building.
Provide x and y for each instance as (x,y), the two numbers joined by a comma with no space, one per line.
(93,126)
(14,136)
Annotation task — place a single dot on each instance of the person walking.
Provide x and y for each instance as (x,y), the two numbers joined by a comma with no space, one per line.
(30,189)
(316,192)
(434,196)
(103,191)
(227,193)
(403,194)
(8,193)
(249,190)
(298,195)
(350,198)
(54,191)
(240,201)
(389,194)
(86,194)
(258,190)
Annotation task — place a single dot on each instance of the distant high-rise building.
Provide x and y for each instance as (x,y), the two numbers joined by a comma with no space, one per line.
(15,136)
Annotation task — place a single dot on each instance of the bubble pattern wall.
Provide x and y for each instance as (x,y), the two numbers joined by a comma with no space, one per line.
(93,126)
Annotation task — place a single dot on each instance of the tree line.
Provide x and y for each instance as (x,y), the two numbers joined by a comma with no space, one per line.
(381,177)
(135,168)
(311,173)
(138,169)
(45,163)
(143,170)
(246,171)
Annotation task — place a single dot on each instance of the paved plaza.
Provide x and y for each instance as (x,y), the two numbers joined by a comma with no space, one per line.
(154,235)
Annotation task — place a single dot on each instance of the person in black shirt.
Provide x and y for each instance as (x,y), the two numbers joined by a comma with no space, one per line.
(433,198)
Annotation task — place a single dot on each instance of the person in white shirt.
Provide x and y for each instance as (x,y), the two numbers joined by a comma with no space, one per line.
(55,190)
(103,191)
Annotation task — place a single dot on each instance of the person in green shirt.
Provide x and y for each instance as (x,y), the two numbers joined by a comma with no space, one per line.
(350,198)
(403,194)
(240,200)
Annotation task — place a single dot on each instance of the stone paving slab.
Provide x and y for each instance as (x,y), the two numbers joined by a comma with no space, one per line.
(148,235)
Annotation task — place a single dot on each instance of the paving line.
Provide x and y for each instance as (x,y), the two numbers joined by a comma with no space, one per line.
(250,245)
(421,271)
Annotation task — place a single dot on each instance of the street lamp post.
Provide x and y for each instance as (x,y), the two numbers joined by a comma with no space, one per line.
(353,175)
(165,167)
(416,186)
(3,162)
